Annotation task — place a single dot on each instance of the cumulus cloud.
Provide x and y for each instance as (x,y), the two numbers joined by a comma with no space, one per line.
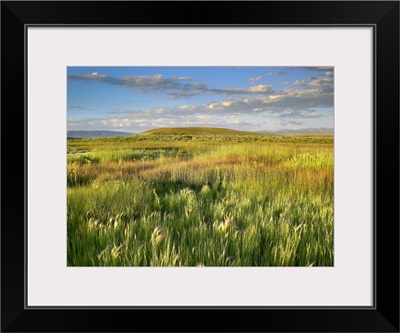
(324,82)
(320,81)
(155,83)
(321,68)
(301,83)
(314,68)
(260,89)
(288,99)
(292,103)
(144,120)
(297,114)
(188,90)
(175,87)
(108,123)
(245,108)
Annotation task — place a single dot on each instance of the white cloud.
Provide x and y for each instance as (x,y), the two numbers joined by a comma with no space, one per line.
(227,103)
(314,68)
(187,107)
(287,99)
(94,76)
(318,82)
(299,83)
(324,82)
(156,83)
(297,114)
(260,89)
(254,79)
(297,101)
(175,86)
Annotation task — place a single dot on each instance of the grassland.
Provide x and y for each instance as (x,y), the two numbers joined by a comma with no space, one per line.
(200,197)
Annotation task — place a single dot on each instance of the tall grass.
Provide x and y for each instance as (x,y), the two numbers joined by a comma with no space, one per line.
(200,202)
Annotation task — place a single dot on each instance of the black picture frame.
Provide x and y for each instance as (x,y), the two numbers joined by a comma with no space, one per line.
(383,316)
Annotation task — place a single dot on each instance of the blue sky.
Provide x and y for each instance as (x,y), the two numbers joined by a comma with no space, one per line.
(136,99)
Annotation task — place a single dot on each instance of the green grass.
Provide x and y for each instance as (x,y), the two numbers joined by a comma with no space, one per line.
(213,198)
(190,131)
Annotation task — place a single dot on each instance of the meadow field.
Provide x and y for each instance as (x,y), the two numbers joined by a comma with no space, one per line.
(200,197)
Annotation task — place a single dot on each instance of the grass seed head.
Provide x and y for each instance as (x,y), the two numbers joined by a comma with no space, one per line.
(158,234)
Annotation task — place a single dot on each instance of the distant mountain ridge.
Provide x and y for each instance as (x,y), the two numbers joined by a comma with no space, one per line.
(95,134)
(321,130)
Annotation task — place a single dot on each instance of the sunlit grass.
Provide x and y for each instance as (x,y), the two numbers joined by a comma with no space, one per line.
(195,202)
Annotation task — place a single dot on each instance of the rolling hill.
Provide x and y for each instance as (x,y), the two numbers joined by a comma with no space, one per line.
(196,131)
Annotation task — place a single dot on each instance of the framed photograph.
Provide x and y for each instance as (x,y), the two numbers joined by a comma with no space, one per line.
(235,164)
